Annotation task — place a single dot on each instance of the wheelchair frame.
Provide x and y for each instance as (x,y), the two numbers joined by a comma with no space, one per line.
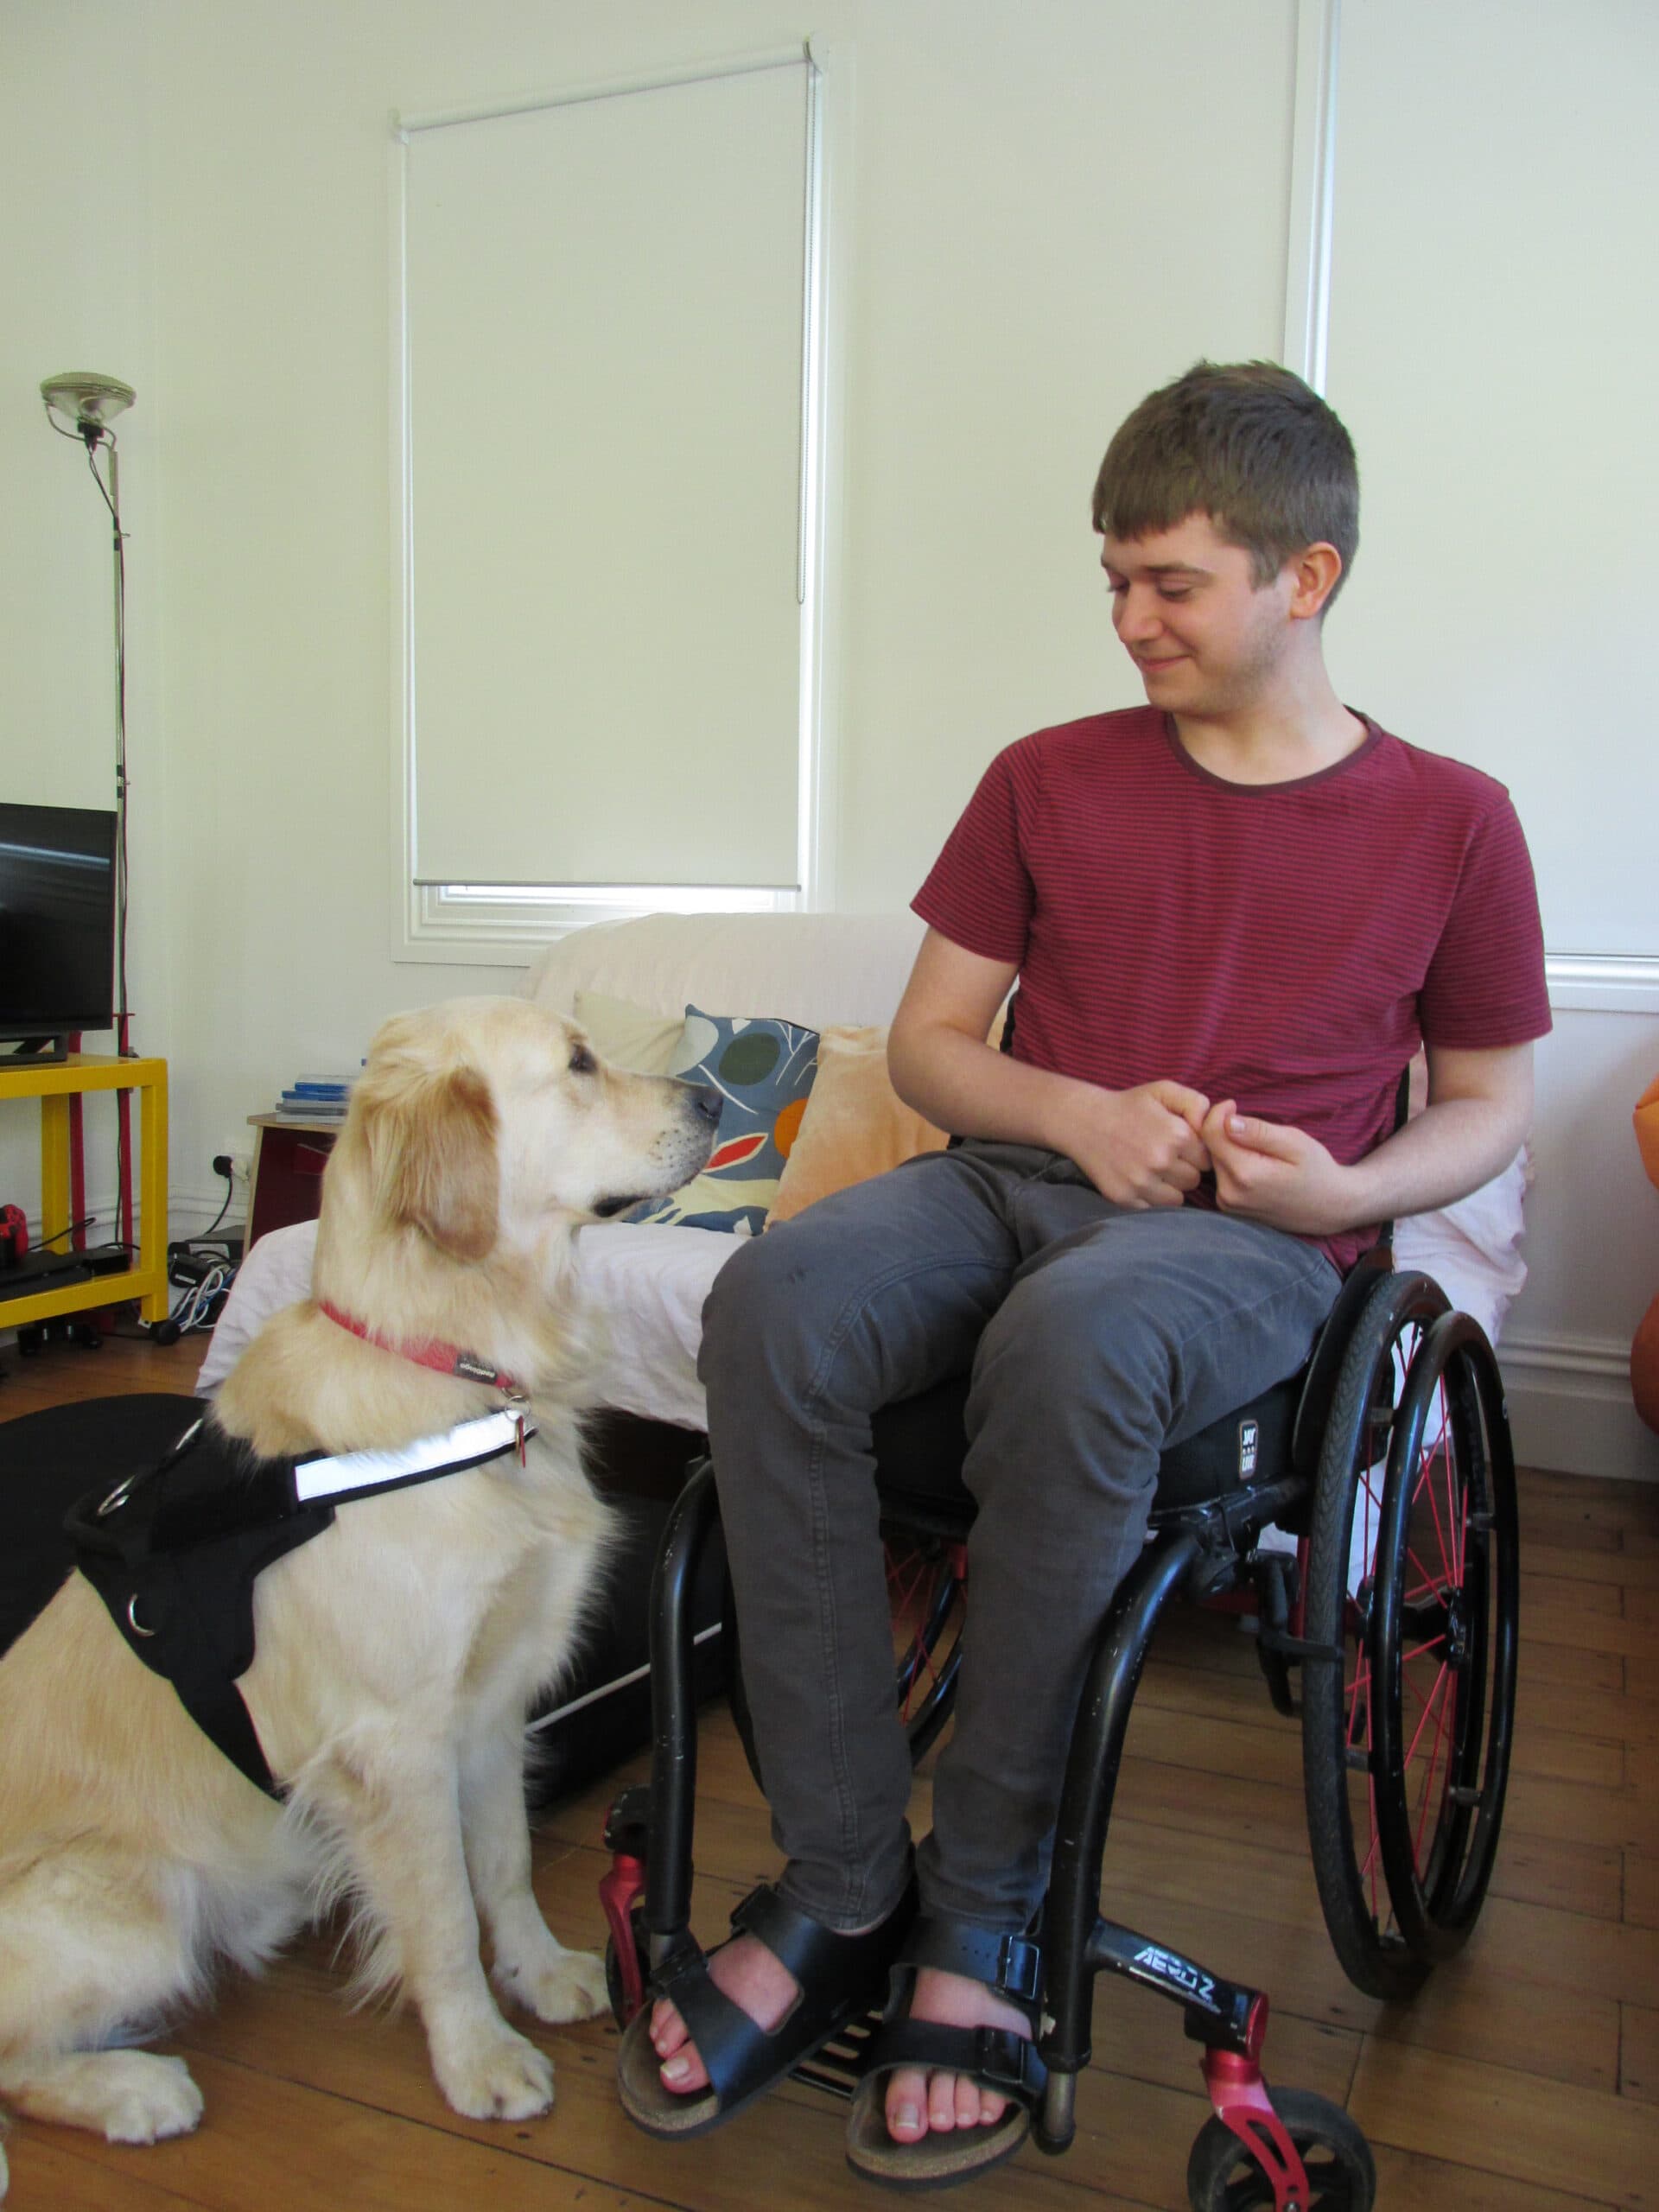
(1396,1382)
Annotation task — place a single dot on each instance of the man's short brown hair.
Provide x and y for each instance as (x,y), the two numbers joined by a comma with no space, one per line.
(1250,446)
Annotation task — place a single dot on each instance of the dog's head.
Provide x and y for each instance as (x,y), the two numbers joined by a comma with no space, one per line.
(484,1122)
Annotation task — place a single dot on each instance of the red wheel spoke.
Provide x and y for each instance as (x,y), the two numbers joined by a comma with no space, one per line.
(1368,1872)
(1440,1449)
(1428,1707)
(1428,1786)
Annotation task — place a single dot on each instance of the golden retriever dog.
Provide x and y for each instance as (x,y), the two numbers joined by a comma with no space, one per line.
(398,1652)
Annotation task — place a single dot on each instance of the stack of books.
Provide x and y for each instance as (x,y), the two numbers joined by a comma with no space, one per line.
(316,1098)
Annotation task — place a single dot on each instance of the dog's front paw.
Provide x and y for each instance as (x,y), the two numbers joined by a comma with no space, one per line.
(561,1985)
(497,2075)
(143,2098)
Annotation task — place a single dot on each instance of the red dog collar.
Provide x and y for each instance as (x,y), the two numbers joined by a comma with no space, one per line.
(444,1359)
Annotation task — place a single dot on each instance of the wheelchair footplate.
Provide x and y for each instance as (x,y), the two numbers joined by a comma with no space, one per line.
(1264,2150)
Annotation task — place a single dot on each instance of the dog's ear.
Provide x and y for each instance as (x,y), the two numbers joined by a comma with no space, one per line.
(434,1147)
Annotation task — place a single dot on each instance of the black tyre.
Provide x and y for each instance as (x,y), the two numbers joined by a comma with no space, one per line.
(926,1593)
(1337,1735)
(1445,1638)
(1222,2175)
(1413,1571)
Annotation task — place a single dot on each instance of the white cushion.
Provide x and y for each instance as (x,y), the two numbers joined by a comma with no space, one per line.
(1472,1248)
(813,968)
(648,1282)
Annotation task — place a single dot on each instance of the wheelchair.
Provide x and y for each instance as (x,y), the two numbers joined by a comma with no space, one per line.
(1388,1459)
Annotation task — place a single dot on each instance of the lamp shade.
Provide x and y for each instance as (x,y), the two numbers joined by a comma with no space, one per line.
(81,396)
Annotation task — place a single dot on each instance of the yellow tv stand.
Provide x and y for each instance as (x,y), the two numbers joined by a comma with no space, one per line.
(55,1083)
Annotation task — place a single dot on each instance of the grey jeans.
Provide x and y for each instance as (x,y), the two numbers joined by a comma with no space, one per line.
(1094,1337)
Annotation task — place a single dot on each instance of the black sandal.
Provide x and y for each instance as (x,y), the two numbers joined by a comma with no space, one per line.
(839,1977)
(997,2059)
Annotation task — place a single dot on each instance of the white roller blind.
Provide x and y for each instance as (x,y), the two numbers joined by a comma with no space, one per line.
(603,328)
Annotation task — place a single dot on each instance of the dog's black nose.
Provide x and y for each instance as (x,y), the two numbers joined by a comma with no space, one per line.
(707,1100)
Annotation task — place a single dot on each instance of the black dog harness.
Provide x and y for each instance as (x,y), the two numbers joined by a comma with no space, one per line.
(175,1552)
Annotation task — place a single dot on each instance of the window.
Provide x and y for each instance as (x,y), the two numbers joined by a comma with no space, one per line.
(609,360)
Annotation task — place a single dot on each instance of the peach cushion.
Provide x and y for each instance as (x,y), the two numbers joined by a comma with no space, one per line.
(855,1124)
(1646,1118)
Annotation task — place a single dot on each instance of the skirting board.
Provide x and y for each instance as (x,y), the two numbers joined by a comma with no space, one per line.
(1571,1409)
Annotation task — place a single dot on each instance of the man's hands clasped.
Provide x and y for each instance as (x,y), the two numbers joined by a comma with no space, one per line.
(1149,1147)
(1140,1147)
(1278,1176)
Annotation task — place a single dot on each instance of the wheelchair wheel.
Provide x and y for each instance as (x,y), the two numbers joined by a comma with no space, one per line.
(927,1594)
(1444,1641)
(1222,2176)
(1412,1575)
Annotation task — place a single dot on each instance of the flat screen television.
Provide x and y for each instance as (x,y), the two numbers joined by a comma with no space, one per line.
(57,923)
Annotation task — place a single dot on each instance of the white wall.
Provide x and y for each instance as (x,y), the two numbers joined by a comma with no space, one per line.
(1047,207)
(77,292)
(1492,330)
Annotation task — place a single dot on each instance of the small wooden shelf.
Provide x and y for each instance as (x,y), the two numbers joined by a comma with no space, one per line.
(55,1083)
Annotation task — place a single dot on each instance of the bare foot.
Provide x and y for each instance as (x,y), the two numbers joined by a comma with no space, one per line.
(916,2102)
(743,1970)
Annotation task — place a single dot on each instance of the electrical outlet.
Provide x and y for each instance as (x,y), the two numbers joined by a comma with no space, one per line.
(241,1167)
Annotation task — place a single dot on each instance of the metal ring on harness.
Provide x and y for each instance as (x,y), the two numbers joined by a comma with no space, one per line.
(133,1621)
(117,1496)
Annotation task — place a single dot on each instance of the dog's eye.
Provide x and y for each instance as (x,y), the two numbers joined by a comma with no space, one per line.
(582,1061)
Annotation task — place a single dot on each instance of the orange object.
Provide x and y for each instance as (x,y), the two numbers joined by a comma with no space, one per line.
(1644,1351)
(1646,1118)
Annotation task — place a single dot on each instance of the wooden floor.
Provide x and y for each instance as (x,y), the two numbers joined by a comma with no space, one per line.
(1524,2079)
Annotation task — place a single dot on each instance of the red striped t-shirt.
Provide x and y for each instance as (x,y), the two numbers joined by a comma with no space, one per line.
(1287,945)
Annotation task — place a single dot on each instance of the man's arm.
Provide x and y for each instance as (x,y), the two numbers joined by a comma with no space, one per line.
(1138,1148)
(1479,1112)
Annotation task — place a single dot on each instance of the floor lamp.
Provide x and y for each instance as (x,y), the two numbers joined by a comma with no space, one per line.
(80,405)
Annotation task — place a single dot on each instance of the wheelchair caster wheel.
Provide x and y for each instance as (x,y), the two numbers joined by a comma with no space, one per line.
(1223,2175)
(623,2002)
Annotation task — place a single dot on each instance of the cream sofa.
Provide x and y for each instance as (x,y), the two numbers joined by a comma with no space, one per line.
(821,970)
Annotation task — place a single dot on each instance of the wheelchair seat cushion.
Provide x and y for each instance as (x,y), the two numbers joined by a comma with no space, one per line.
(920,1444)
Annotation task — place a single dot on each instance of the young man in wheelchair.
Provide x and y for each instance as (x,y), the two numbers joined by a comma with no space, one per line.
(1232,915)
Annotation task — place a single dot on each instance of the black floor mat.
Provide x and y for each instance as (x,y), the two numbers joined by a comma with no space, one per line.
(48,1460)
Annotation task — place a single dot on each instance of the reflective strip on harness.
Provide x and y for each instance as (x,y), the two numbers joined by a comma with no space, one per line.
(358,1474)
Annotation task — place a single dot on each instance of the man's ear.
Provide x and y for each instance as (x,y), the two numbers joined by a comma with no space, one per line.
(1314,573)
(433,1149)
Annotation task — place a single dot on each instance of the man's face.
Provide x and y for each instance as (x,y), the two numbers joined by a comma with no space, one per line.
(1205,639)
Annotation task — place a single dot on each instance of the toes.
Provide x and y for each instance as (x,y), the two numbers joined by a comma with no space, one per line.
(684,2071)
(938,2104)
(906,2107)
(942,2090)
